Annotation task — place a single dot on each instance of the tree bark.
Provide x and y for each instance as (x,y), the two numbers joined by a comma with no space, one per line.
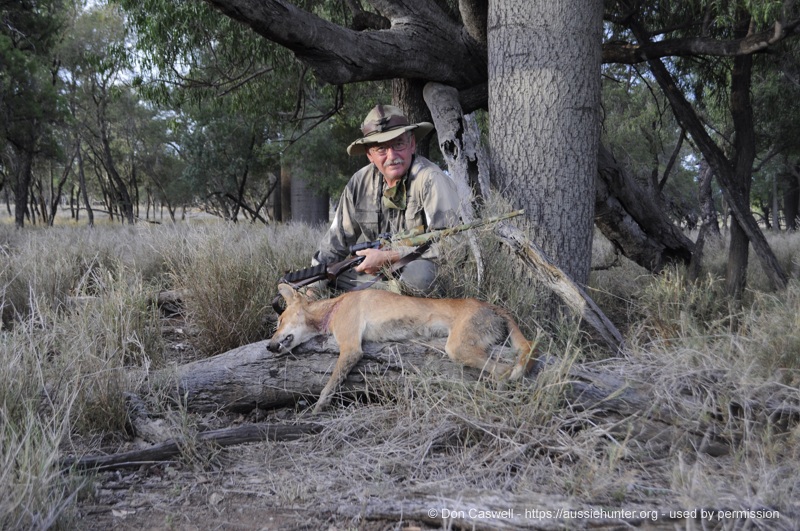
(407,95)
(286,191)
(544,96)
(709,224)
(474,13)
(630,53)
(84,192)
(791,199)
(435,47)
(745,152)
(454,139)
(459,139)
(422,43)
(22,185)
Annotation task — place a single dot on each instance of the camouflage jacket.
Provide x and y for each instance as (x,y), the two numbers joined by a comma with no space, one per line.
(432,201)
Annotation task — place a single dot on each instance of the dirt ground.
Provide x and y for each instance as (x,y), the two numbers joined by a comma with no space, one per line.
(236,497)
(230,490)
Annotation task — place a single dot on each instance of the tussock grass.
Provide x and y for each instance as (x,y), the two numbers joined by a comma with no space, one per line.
(34,422)
(230,276)
(80,331)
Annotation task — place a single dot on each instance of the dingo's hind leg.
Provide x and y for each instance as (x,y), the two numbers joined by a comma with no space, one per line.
(471,339)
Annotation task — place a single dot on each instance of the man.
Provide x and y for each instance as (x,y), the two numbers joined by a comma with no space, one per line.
(398,190)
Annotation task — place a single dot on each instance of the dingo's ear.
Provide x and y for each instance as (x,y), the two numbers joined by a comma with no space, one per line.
(287,292)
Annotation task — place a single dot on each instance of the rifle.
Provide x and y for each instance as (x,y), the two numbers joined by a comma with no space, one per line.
(416,237)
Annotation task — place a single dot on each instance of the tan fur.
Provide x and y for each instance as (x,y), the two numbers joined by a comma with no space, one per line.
(471,328)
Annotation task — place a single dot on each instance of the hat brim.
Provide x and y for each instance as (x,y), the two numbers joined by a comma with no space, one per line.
(359,147)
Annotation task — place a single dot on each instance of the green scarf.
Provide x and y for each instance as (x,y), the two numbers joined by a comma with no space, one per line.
(395,197)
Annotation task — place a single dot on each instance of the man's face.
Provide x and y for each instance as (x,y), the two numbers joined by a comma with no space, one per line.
(393,158)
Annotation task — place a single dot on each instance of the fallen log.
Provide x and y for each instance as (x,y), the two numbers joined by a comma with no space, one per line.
(168,449)
(251,377)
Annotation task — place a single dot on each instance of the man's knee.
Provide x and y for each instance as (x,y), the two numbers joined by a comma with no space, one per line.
(419,277)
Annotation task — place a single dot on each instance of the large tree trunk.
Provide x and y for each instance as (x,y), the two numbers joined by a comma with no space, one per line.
(459,142)
(627,214)
(544,96)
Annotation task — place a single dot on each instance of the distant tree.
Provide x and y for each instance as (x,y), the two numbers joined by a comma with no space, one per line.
(218,67)
(222,155)
(776,91)
(734,32)
(28,94)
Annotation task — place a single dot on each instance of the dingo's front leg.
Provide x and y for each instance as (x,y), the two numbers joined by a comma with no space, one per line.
(347,360)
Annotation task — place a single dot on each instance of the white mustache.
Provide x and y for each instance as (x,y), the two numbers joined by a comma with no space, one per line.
(393,162)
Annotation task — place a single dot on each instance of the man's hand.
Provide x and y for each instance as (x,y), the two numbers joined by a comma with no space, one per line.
(375,260)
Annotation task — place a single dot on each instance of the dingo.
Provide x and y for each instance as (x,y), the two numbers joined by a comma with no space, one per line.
(471,327)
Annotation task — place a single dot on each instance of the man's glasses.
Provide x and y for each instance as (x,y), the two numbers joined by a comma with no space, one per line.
(398,145)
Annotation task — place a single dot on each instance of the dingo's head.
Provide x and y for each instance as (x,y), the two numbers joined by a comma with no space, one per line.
(294,327)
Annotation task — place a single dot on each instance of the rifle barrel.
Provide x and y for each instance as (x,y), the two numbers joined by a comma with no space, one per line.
(419,239)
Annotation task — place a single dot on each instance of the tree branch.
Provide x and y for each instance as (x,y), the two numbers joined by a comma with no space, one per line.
(474,13)
(364,20)
(759,42)
(423,43)
(714,155)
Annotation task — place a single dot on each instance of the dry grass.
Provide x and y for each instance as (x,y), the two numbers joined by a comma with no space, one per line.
(230,274)
(80,331)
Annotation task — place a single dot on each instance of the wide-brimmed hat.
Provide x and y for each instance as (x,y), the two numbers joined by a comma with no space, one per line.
(383,123)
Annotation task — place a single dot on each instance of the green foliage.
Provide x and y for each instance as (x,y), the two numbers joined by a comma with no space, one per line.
(28,97)
(641,131)
(219,68)
(189,45)
(320,156)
